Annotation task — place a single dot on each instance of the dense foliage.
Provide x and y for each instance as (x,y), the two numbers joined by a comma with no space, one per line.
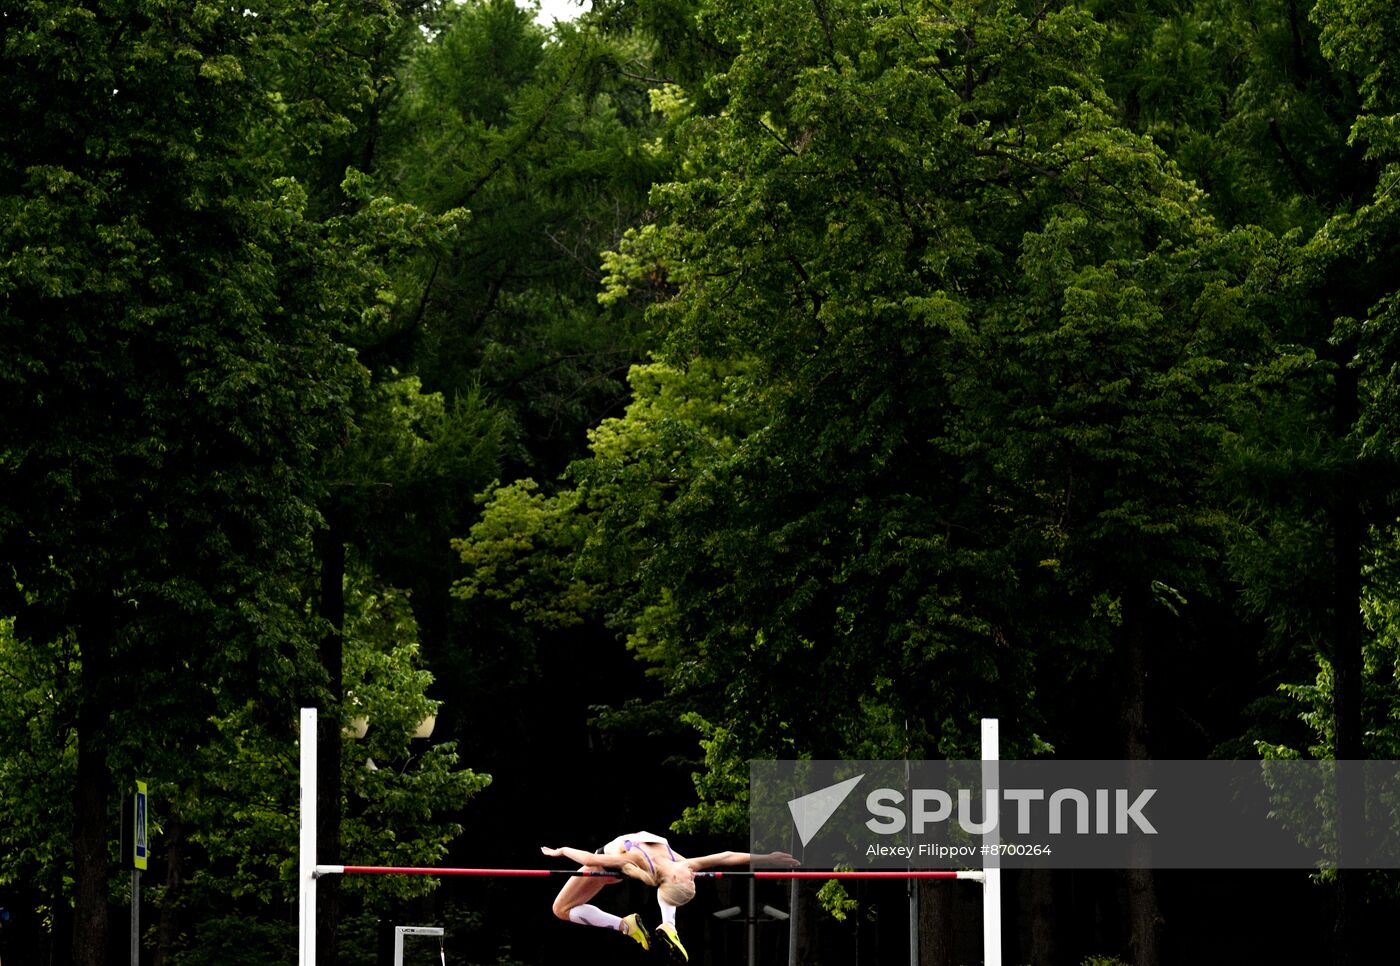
(694,382)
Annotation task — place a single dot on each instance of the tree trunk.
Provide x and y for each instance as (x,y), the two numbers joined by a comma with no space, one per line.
(168,927)
(1348,532)
(1144,919)
(91,830)
(1040,889)
(808,912)
(937,935)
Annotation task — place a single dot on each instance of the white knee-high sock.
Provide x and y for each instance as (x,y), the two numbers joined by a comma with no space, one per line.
(586,915)
(668,911)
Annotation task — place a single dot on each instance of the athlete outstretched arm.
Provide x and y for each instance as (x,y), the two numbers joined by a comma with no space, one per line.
(780,859)
(596,860)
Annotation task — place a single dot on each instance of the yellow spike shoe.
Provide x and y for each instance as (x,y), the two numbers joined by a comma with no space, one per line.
(668,933)
(632,927)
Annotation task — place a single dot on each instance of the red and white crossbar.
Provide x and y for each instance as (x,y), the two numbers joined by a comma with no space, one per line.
(973,875)
(434,870)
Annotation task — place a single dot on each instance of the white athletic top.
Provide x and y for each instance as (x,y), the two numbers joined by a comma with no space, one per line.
(640,838)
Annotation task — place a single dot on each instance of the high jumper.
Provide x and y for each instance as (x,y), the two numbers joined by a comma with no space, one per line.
(648,858)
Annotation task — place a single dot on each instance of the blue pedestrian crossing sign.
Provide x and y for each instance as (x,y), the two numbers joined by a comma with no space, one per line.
(140,844)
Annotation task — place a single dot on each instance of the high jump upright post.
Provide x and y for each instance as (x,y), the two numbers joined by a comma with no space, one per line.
(306,855)
(991,865)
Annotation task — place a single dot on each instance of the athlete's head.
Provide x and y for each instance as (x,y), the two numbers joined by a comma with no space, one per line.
(676,893)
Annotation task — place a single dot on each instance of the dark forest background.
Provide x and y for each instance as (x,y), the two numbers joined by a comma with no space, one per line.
(696,382)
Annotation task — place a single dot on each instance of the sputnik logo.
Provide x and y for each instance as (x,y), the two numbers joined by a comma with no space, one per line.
(811,811)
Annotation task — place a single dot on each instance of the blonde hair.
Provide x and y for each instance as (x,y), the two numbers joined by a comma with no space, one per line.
(640,874)
(676,893)
(672,893)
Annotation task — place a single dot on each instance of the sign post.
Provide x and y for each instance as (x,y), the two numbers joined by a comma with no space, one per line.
(140,853)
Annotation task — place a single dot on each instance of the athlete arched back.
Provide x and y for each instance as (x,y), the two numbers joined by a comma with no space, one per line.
(648,858)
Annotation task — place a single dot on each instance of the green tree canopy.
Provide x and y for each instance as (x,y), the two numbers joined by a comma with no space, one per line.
(175,363)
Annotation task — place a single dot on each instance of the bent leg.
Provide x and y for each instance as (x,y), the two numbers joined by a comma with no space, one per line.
(590,915)
(576,892)
(572,905)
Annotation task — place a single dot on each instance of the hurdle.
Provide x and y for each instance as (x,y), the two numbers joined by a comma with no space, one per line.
(309,870)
